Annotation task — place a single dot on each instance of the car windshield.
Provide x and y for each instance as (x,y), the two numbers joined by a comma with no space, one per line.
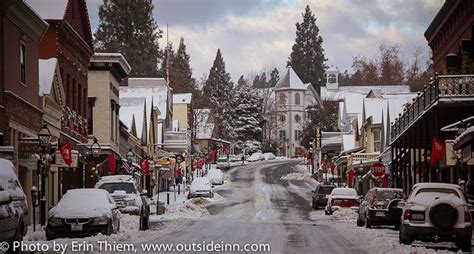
(111,187)
(443,192)
(389,194)
(325,190)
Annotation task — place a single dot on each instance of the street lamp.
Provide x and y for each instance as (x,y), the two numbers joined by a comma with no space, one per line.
(130,155)
(95,149)
(44,137)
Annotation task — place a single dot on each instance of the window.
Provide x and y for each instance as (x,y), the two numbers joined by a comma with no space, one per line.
(297,134)
(377,138)
(90,115)
(297,118)
(282,135)
(297,99)
(112,120)
(23,63)
(332,79)
(282,118)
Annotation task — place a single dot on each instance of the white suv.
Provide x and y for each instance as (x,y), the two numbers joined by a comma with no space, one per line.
(436,212)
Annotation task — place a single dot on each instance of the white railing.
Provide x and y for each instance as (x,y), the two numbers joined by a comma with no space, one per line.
(177,138)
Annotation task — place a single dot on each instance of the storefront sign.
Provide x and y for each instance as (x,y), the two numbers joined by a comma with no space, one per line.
(377,169)
(28,147)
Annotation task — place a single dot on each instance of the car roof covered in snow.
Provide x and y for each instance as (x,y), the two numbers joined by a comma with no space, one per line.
(117,178)
(437,185)
(344,192)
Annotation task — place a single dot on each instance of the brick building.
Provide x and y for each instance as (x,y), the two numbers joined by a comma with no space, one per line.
(450,36)
(69,39)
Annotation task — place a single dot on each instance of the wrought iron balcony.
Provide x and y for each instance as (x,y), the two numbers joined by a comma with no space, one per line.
(443,86)
(177,139)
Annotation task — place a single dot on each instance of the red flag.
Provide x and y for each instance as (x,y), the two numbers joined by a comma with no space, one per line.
(212,155)
(350,176)
(145,165)
(66,153)
(112,163)
(438,151)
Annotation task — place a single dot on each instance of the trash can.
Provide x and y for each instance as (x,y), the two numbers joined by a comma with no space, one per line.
(160,208)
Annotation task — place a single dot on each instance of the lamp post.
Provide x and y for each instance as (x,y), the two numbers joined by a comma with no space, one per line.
(130,157)
(44,138)
(95,150)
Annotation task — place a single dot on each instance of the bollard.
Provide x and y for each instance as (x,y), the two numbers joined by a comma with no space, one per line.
(168,198)
(179,189)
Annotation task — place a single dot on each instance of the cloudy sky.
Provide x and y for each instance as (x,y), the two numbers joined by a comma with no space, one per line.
(258,34)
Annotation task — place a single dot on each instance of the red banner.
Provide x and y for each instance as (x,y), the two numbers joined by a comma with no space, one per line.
(112,163)
(212,156)
(145,165)
(350,175)
(66,153)
(438,151)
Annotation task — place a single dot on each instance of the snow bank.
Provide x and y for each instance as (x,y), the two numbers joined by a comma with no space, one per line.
(293,176)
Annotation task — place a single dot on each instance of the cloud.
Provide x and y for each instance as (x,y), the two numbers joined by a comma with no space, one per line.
(258,34)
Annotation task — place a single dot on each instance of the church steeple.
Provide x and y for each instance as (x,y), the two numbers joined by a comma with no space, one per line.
(133,128)
(144,138)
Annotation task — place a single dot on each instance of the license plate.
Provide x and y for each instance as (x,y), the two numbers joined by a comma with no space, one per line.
(418,216)
(76,227)
(380,214)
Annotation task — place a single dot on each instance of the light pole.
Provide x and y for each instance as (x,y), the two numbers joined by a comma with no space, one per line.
(44,138)
(95,150)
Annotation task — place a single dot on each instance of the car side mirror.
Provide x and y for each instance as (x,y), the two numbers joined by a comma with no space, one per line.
(144,193)
(313,191)
(213,186)
(5,198)
(113,206)
(401,204)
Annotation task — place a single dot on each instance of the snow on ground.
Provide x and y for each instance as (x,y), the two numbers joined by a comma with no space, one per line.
(383,239)
(293,176)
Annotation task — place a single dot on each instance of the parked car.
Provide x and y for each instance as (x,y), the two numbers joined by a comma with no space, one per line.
(13,206)
(269,156)
(223,163)
(379,208)
(200,187)
(320,195)
(83,212)
(342,198)
(215,176)
(436,212)
(256,157)
(128,196)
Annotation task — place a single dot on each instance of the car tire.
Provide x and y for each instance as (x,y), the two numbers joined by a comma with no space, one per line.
(18,238)
(315,205)
(118,227)
(368,223)
(110,229)
(397,226)
(404,238)
(360,223)
(464,245)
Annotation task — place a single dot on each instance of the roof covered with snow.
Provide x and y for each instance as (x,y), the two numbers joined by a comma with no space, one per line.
(291,80)
(364,90)
(139,91)
(55,9)
(348,142)
(468,131)
(46,71)
(182,98)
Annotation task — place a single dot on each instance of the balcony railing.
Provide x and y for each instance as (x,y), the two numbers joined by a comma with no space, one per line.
(356,158)
(452,86)
(178,139)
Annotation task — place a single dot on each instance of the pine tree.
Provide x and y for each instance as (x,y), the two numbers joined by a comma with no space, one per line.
(181,79)
(307,56)
(247,118)
(241,83)
(323,117)
(128,27)
(218,89)
(168,53)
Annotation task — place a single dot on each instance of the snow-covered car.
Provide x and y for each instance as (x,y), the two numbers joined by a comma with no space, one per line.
(379,207)
(201,187)
(13,206)
(436,212)
(223,163)
(235,158)
(126,193)
(269,156)
(215,176)
(342,198)
(256,157)
(83,212)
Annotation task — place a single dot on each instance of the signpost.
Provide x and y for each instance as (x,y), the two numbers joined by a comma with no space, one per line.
(377,170)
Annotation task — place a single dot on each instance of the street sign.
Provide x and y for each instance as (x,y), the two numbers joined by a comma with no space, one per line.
(377,169)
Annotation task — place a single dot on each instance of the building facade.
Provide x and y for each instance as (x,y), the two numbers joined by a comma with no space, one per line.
(292,97)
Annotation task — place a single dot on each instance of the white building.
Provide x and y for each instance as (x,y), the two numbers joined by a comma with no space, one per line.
(292,98)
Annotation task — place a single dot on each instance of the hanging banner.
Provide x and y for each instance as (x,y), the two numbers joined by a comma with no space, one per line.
(66,154)
(145,165)
(112,163)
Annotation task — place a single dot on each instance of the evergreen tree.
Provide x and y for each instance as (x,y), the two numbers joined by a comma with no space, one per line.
(307,56)
(256,81)
(181,79)
(241,83)
(128,27)
(324,117)
(168,53)
(218,89)
(247,118)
